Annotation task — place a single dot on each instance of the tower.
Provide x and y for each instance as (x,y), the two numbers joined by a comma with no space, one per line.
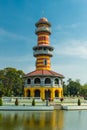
(43,50)
(43,82)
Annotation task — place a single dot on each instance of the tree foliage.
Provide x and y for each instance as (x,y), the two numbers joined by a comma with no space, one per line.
(65,93)
(84,90)
(72,88)
(11,82)
(1,101)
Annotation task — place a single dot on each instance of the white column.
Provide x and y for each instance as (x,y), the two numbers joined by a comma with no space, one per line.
(32,82)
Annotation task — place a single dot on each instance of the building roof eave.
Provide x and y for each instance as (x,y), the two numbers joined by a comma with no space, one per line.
(45,73)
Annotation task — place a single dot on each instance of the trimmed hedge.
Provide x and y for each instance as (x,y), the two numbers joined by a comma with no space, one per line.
(16,102)
(33,102)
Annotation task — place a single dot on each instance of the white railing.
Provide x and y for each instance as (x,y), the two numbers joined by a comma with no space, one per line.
(43,29)
(42,52)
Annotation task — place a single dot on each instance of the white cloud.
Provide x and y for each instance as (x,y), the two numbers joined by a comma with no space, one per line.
(79,1)
(70,67)
(25,63)
(25,58)
(69,26)
(72,48)
(73,25)
(73,71)
(59,27)
(5,33)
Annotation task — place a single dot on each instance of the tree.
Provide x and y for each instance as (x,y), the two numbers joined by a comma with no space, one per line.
(84,90)
(64,89)
(11,81)
(2,90)
(1,101)
(73,87)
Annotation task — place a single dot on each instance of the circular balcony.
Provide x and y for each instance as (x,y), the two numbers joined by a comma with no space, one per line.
(43,29)
(42,52)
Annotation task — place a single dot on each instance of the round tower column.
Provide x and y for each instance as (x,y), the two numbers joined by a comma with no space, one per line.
(43,50)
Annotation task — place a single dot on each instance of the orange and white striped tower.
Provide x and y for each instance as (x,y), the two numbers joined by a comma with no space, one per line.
(43,82)
(43,50)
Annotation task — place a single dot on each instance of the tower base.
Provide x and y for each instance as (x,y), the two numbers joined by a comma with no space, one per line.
(43,92)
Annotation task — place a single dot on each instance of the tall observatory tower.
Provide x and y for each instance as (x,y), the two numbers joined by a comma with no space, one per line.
(43,50)
(43,82)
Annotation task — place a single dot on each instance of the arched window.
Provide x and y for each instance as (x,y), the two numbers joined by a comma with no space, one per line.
(28,81)
(37,81)
(47,81)
(37,93)
(28,93)
(56,81)
(56,93)
(45,61)
(47,94)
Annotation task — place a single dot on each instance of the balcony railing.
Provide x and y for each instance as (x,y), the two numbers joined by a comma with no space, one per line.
(39,52)
(45,85)
(43,29)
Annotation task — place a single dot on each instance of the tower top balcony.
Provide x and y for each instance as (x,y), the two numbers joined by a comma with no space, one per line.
(43,29)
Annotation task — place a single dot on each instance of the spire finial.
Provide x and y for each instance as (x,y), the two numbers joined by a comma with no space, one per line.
(43,13)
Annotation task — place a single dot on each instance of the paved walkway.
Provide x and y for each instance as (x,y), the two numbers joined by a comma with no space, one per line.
(74,107)
(26,108)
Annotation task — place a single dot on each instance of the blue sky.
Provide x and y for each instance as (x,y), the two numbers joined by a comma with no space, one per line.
(69,35)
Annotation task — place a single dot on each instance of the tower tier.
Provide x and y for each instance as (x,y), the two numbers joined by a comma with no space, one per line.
(43,62)
(43,29)
(43,51)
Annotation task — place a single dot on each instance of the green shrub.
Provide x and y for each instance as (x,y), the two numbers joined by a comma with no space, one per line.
(16,102)
(1,102)
(79,102)
(33,102)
